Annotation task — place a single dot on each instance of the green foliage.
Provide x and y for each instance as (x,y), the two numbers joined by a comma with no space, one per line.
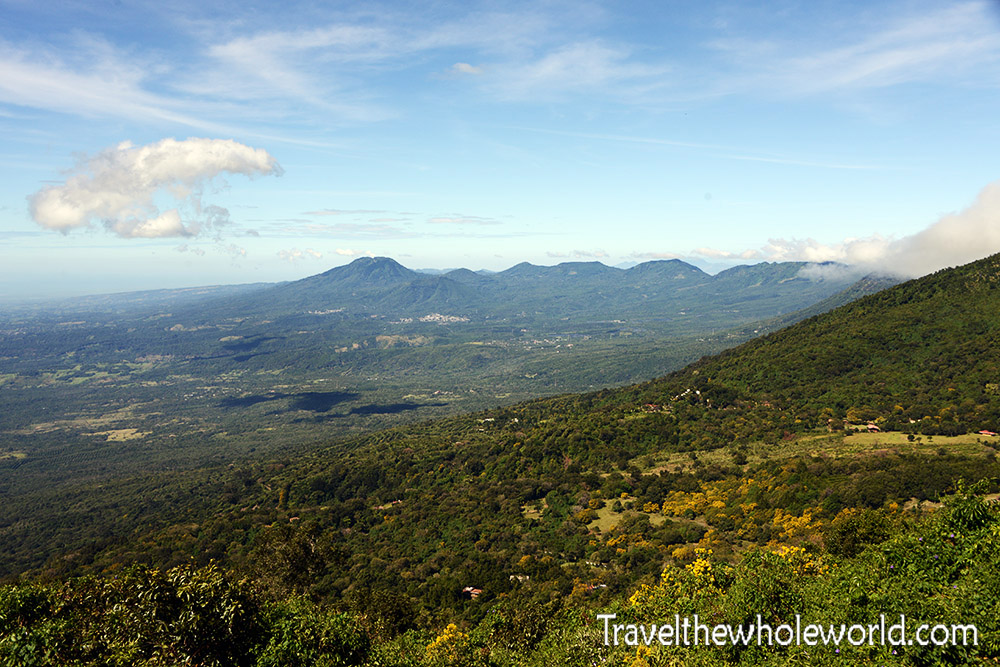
(292,558)
(513,627)
(302,635)
(22,606)
(575,639)
(854,529)
(967,510)
(181,616)
(384,614)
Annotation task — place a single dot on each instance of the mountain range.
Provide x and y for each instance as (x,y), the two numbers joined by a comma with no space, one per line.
(669,291)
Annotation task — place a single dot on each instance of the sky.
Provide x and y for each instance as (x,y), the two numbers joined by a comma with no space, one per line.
(148,144)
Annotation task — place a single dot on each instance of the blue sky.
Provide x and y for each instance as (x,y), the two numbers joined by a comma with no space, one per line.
(145,145)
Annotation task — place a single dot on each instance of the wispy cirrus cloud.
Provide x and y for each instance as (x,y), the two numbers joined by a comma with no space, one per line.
(521,56)
(312,66)
(208,89)
(579,67)
(110,84)
(344,66)
(338,66)
(949,43)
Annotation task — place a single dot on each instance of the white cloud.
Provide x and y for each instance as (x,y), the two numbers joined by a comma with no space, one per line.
(655,255)
(578,254)
(829,271)
(166,224)
(712,253)
(339,230)
(955,239)
(119,187)
(335,211)
(233,250)
(462,220)
(347,252)
(187,248)
(466,68)
(294,254)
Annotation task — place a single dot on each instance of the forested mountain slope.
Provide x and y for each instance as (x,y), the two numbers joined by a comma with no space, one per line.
(920,356)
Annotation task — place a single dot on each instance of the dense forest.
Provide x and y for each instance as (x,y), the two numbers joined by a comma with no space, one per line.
(840,469)
(938,569)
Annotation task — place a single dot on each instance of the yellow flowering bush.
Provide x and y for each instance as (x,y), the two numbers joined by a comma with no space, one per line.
(802,562)
(451,647)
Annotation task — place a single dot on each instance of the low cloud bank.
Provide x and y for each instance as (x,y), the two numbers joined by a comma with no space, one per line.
(955,239)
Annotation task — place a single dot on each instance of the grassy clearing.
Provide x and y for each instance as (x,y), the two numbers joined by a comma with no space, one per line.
(81,424)
(123,434)
(829,445)
(839,446)
(533,511)
(79,375)
(608,518)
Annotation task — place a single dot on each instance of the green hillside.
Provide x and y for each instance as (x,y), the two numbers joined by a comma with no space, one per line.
(797,473)
(920,357)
